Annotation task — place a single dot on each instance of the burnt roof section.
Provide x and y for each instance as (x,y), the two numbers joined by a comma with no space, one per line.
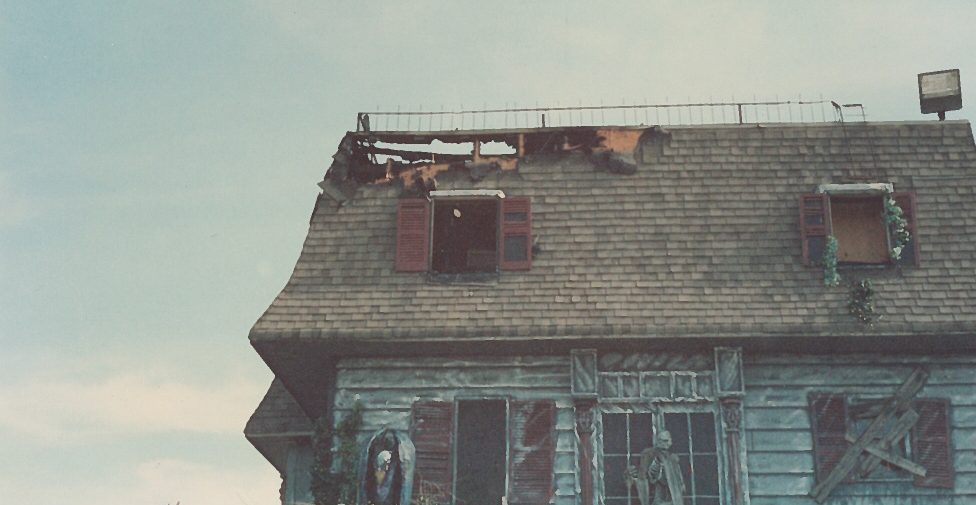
(701,240)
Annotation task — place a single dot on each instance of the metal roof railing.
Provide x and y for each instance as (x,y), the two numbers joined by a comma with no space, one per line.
(706,113)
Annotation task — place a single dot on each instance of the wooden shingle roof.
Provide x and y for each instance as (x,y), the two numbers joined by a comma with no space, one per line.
(702,241)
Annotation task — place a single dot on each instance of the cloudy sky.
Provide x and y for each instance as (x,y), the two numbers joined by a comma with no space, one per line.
(158,163)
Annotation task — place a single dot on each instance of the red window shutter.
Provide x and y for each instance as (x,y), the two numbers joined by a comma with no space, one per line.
(431,429)
(814,226)
(532,449)
(906,200)
(515,244)
(931,443)
(828,417)
(413,237)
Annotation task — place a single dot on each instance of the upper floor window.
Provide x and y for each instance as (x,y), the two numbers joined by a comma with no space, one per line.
(856,215)
(464,231)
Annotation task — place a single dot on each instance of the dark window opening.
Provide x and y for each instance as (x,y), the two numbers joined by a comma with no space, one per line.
(693,439)
(624,437)
(481,452)
(858,225)
(465,236)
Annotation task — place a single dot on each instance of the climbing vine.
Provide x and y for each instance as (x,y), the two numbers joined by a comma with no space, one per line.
(328,487)
(831,277)
(894,218)
(861,305)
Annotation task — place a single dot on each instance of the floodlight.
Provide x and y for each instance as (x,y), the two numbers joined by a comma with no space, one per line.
(939,92)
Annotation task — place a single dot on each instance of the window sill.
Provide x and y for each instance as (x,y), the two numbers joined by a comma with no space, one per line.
(464,278)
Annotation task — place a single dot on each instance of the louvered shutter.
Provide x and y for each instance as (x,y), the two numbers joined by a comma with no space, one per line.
(413,237)
(828,416)
(906,200)
(532,449)
(515,241)
(931,443)
(431,429)
(814,226)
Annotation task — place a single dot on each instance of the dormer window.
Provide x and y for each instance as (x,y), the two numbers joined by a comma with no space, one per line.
(464,231)
(855,215)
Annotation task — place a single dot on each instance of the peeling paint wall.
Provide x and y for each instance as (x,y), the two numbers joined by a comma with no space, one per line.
(778,428)
(388,388)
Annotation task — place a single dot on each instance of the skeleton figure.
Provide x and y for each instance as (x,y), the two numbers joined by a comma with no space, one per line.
(658,479)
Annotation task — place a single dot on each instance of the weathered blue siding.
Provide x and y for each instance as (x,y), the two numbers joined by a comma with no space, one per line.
(388,387)
(777,424)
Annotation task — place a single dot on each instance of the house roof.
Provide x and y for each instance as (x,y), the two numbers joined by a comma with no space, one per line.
(276,423)
(702,240)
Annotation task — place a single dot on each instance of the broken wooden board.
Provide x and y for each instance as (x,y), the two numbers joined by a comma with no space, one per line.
(900,401)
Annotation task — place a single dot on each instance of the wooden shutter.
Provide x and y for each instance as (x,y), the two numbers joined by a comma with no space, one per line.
(515,238)
(828,417)
(931,443)
(431,429)
(906,200)
(532,449)
(413,235)
(814,226)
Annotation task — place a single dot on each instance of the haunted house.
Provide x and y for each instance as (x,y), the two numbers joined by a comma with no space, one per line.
(792,302)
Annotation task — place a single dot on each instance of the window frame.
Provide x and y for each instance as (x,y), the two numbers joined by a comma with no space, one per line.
(815,222)
(658,410)
(416,218)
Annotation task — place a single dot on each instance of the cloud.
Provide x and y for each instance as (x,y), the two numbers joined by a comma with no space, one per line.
(59,410)
(158,482)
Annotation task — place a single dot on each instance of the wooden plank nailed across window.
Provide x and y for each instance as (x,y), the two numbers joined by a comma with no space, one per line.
(532,452)
(413,238)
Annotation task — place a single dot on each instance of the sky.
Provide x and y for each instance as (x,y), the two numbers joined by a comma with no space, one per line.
(158,162)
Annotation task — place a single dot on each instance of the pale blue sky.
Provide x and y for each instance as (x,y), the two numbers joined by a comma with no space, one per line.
(158,163)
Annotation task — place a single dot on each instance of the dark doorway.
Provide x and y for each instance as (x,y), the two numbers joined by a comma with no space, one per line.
(481,452)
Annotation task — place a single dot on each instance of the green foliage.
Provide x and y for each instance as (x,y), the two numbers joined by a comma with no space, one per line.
(831,277)
(328,487)
(861,305)
(894,218)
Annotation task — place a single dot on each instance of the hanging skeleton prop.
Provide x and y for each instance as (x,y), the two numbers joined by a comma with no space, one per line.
(658,479)
(386,469)
(892,419)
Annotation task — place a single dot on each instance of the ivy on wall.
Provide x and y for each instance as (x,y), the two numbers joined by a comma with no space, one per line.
(894,218)
(333,487)
(831,277)
(861,305)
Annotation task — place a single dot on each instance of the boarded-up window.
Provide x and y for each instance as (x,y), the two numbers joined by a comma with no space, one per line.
(858,225)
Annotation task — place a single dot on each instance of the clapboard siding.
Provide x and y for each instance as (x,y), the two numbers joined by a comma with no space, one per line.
(387,389)
(777,423)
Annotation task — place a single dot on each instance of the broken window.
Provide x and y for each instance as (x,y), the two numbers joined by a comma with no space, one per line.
(694,442)
(465,235)
(856,219)
(908,443)
(453,234)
